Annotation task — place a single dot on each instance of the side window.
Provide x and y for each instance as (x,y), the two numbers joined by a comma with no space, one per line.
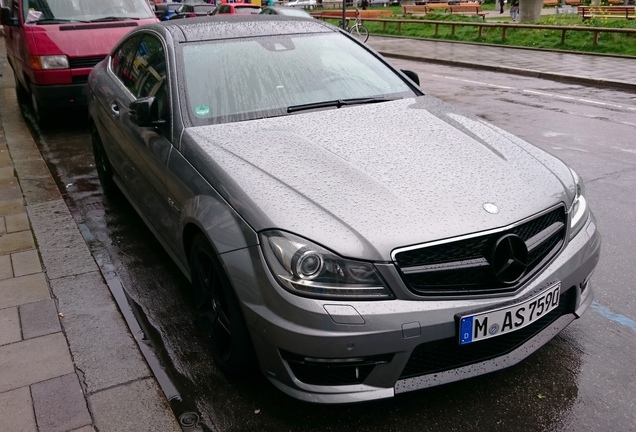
(149,66)
(122,60)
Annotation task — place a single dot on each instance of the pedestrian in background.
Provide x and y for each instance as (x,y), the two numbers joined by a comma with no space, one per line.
(514,10)
(501,6)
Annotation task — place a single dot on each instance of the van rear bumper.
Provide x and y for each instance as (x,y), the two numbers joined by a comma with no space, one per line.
(60,96)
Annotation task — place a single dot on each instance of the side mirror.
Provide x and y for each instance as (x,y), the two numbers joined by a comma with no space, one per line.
(144,112)
(6,18)
(412,76)
(160,14)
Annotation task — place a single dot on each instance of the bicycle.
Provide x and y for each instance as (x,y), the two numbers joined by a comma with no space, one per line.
(357,29)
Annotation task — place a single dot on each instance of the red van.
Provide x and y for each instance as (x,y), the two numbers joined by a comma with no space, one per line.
(52,45)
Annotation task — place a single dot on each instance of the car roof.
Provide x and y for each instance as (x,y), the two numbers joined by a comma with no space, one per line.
(232,26)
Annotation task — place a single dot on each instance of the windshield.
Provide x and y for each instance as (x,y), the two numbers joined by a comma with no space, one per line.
(243,79)
(43,11)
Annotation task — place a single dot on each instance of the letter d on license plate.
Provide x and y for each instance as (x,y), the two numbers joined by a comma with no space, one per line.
(485,325)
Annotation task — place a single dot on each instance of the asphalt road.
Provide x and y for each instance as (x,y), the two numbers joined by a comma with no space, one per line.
(583,380)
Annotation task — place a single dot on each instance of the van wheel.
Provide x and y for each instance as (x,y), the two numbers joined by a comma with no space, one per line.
(102,164)
(41,118)
(219,311)
(20,91)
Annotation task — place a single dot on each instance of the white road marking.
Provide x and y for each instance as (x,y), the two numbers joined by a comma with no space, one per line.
(625,150)
(539,93)
(571,148)
(474,82)
(589,101)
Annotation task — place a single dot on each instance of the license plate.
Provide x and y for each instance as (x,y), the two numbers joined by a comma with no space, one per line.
(497,322)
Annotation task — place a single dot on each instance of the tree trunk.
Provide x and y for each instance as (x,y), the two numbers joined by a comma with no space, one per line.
(530,10)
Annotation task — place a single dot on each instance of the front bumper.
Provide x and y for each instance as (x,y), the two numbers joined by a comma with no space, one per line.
(60,96)
(340,352)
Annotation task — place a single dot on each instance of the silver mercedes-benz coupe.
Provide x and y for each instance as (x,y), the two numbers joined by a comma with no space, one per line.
(351,236)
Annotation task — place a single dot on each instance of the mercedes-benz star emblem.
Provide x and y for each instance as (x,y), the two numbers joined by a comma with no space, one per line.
(491,208)
(509,259)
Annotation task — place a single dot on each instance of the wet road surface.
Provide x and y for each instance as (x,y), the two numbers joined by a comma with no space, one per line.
(582,380)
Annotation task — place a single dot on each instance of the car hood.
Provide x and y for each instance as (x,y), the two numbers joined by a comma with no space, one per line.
(367,179)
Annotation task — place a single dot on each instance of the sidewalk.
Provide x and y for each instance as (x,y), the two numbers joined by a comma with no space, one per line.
(586,69)
(63,366)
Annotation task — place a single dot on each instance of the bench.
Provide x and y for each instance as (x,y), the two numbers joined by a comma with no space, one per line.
(587,12)
(350,13)
(424,9)
(467,10)
(567,2)
(471,7)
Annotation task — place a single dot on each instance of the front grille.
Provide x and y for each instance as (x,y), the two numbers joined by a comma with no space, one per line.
(329,372)
(447,354)
(462,267)
(84,62)
(83,79)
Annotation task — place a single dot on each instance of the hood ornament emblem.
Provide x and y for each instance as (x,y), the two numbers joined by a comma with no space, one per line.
(491,208)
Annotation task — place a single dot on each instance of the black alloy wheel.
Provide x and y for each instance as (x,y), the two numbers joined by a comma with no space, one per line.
(102,164)
(219,311)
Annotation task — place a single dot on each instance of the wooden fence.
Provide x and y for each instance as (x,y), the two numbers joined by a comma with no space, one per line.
(482,25)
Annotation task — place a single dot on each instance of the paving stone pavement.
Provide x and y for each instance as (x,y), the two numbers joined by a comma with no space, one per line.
(63,367)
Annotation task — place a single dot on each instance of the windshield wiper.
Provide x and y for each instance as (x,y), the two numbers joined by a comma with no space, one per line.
(338,103)
(57,20)
(113,18)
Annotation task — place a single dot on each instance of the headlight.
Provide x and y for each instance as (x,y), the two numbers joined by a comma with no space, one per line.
(309,270)
(579,210)
(49,62)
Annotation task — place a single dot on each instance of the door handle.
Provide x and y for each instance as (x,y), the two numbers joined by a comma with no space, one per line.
(115,109)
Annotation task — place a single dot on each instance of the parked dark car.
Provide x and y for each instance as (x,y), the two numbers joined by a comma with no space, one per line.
(351,235)
(165,11)
(193,10)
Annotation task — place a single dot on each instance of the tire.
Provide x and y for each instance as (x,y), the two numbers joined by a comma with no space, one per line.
(219,312)
(360,32)
(20,91)
(42,118)
(103,166)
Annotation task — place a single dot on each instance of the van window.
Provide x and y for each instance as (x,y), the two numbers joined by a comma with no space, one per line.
(84,10)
